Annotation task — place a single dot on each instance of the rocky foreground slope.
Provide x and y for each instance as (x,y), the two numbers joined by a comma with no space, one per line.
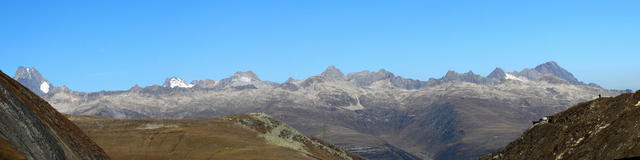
(30,128)
(378,115)
(243,136)
(604,128)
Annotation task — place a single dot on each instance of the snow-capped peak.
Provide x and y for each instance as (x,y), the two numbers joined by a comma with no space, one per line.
(178,82)
(513,77)
(44,87)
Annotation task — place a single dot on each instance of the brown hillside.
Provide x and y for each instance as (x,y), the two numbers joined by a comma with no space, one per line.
(244,136)
(605,128)
(8,152)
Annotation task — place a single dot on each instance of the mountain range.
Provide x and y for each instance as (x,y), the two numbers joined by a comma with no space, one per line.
(31,129)
(375,114)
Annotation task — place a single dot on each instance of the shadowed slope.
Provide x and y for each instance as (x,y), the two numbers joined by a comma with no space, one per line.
(37,130)
(605,128)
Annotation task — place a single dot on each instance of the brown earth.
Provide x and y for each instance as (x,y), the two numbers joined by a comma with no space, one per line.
(244,136)
(605,128)
(8,152)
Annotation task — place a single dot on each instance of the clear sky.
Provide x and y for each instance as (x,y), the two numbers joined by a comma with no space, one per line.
(113,45)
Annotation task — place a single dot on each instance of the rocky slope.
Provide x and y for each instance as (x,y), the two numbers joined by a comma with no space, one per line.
(604,128)
(29,125)
(375,114)
(243,136)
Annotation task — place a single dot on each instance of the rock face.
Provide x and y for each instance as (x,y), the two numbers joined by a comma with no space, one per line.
(206,83)
(367,78)
(332,73)
(552,68)
(242,136)
(548,69)
(36,129)
(375,114)
(466,77)
(246,79)
(32,79)
(497,73)
(604,128)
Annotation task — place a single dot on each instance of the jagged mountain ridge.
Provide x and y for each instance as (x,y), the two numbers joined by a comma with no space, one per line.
(38,84)
(369,113)
(604,128)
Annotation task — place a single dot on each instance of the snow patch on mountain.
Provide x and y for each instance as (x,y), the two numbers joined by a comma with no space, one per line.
(44,87)
(513,77)
(178,82)
(245,79)
(353,108)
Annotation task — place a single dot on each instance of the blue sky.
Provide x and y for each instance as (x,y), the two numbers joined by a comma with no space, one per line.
(92,46)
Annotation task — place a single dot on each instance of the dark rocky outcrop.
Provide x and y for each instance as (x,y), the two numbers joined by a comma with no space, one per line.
(37,130)
(604,128)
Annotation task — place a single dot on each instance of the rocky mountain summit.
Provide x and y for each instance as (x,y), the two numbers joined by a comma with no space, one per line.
(375,114)
(30,128)
(550,68)
(174,82)
(332,73)
(604,128)
(241,80)
(32,79)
